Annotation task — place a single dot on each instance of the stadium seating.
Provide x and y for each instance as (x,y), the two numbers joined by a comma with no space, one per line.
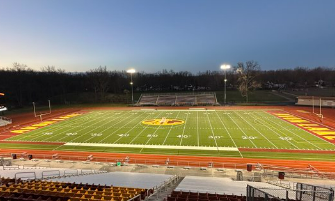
(186,99)
(196,196)
(59,191)
(4,121)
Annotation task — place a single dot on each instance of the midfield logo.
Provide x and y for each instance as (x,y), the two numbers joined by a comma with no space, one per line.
(163,122)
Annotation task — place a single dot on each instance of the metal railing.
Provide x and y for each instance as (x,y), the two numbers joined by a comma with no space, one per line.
(267,171)
(313,193)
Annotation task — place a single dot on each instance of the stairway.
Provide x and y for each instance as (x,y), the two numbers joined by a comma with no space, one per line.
(159,195)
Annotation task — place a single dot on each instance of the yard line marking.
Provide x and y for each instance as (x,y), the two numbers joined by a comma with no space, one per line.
(299,135)
(317,123)
(242,131)
(262,121)
(166,137)
(89,131)
(65,129)
(121,120)
(256,130)
(198,128)
(152,136)
(210,124)
(157,115)
(36,133)
(181,139)
(108,127)
(135,126)
(228,133)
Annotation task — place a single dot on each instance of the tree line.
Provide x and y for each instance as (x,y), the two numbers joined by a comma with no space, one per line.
(23,85)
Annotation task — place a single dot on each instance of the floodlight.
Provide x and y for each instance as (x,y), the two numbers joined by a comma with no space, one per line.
(131,71)
(225,66)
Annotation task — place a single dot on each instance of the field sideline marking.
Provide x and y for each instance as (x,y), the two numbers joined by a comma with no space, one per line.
(153,146)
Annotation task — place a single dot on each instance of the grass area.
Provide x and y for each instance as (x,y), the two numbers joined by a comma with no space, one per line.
(201,133)
(328,92)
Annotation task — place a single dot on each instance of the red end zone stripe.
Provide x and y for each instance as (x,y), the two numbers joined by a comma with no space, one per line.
(42,143)
(315,128)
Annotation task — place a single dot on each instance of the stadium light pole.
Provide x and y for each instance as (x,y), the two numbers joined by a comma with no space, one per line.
(225,67)
(131,71)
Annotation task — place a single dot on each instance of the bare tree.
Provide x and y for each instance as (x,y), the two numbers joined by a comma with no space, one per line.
(247,72)
(100,79)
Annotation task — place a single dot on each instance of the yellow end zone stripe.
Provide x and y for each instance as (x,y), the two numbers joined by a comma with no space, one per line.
(43,124)
(321,131)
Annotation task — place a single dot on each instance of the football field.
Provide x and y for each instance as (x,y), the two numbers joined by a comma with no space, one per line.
(191,132)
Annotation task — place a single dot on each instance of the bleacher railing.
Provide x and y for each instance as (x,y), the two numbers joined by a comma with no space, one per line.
(269,171)
(313,193)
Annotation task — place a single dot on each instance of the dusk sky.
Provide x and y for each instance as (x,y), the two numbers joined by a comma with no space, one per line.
(151,35)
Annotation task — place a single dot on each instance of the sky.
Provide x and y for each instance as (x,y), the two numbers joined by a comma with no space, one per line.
(181,35)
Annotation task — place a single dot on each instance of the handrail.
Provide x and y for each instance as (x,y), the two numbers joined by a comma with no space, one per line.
(16,178)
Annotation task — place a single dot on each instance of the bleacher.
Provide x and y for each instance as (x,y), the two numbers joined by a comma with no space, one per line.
(196,196)
(5,121)
(178,99)
(12,189)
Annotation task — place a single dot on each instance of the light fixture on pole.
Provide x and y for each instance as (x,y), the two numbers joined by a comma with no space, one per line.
(131,71)
(225,67)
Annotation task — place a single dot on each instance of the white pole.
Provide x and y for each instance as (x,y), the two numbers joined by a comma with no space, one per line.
(320,107)
(34,109)
(313,105)
(225,87)
(132,88)
(49,107)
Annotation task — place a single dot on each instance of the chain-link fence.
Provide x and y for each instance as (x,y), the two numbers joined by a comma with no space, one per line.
(318,193)
(303,192)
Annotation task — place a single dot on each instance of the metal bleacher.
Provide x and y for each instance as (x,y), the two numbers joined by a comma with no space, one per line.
(5,121)
(178,99)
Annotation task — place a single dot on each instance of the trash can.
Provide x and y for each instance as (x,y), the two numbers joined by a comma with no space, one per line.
(281,175)
(14,156)
(249,167)
(30,156)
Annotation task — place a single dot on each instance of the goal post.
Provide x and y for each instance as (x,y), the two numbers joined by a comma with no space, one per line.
(43,111)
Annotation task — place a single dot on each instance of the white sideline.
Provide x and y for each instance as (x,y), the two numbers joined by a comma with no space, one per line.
(152,146)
